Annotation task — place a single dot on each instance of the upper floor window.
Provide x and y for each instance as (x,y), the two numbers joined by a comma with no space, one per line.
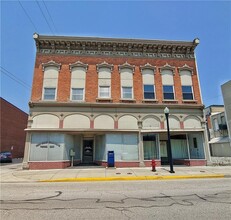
(78,80)
(104,79)
(50,80)
(186,82)
(126,77)
(77,94)
(187,93)
(168,92)
(127,92)
(149,92)
(49,94)
(148,81)
(167,73)
(104,92)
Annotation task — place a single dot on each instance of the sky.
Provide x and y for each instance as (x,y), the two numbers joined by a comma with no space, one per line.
(210,21)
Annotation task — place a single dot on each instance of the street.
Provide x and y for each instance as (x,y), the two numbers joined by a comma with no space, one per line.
(172,199)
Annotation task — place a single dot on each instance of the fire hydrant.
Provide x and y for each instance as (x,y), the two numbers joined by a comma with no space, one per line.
(153,165)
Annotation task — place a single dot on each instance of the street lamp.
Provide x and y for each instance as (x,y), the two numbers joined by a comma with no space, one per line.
(166,112)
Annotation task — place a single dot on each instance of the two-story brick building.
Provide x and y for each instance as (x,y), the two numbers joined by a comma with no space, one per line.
(95,95)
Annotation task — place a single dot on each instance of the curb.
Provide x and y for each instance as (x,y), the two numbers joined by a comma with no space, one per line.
(124,178)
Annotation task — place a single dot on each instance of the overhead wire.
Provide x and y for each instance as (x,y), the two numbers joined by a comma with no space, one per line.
(13,77)
(50,16)
(28,16)
(45,17)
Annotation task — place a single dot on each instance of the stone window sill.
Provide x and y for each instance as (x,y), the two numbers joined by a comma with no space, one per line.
(128,100)
(170,100)
(149,100)
(104,99)
(189,101)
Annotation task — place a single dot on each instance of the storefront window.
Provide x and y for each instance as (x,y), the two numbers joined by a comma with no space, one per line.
(150,147)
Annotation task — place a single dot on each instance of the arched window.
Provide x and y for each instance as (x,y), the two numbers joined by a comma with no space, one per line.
(50,80)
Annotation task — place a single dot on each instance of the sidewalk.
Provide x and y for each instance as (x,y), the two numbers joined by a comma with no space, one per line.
(77,174)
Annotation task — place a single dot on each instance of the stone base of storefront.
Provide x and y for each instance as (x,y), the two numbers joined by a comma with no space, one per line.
(48,165)
(192,162)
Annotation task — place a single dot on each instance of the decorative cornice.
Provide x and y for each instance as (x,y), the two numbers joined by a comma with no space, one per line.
(104,65)
(185,67)
(167,67)
(78,64)
(51,63)
(127,65)
(148,66)
(93,46)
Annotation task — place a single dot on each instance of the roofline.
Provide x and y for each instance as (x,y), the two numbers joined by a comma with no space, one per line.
(13,105)
(116,40)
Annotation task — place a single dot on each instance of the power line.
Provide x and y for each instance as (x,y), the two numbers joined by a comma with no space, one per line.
(45,17)
(50,16)
(28,16)
(13,77)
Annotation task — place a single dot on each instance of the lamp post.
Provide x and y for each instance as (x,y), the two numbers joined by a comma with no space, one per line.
(166,112)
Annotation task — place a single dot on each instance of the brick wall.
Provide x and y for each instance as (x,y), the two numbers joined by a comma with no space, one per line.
(13,123)
(92,77)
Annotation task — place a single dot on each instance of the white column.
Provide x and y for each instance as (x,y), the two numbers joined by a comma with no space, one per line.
(140,144)
(25,164)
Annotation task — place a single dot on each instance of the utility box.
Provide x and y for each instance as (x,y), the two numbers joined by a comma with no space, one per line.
(110,159)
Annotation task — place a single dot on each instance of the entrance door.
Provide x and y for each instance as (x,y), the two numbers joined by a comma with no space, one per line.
(87,151)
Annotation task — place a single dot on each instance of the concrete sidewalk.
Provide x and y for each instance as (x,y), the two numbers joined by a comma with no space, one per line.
(14,173)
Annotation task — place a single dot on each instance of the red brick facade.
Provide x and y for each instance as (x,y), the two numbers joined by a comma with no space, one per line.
(13,123)
(64,79)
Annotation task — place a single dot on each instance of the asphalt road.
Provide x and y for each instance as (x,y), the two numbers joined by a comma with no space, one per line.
(172,199)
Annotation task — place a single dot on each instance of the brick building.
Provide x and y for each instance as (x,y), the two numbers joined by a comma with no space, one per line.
(95,95)
(13,122)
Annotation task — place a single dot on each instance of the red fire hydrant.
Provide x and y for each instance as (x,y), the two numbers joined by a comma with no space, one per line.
(153,165)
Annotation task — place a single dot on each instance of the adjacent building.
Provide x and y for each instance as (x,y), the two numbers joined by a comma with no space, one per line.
(93,95)
(218,137)
(13,122)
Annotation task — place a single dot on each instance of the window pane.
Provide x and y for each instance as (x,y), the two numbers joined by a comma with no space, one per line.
(49,94)
(188,96)
(168,92)
(104,91)
(168,89)
(77,94)
(127,92)
(186,89)
(149,92)
(168,96)
(187,92)
(150,147)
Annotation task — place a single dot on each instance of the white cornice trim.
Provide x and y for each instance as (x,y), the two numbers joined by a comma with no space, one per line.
(104,65)
(186,67)
(126,65)
(167,67)
(78,64)
(147,66)
(51,63)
